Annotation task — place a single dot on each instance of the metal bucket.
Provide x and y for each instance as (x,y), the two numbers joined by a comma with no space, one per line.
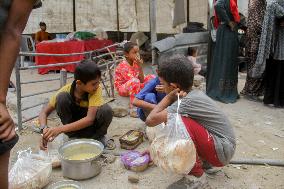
(80,169)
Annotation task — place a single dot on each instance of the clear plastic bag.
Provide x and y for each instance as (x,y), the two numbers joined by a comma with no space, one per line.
(52,149)
(173,150)
(31,171)
(153,132)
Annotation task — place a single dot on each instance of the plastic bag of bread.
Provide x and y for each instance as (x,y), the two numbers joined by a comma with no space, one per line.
(173,150)
(31,171)
(153,132)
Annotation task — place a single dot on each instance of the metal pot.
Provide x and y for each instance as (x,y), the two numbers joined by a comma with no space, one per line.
(80,169)
(65,184)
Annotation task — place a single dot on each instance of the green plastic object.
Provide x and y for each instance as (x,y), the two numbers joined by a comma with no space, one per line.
(84,35)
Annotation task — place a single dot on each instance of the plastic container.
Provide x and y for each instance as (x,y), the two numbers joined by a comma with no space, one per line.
(135,161)
(131,140)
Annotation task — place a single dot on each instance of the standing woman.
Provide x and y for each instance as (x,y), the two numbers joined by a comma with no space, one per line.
(254,86)
(270,58)
(223,76)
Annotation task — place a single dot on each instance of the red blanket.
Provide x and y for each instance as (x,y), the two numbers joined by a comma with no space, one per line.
(66,48)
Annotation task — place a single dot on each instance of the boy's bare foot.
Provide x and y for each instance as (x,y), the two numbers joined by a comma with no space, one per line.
(210,170)
(133,113)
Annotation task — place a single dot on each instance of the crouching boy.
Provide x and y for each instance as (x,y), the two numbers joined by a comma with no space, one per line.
(80,107)
(206,124)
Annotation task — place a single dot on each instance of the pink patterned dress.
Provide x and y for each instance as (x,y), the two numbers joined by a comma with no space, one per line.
(126,79)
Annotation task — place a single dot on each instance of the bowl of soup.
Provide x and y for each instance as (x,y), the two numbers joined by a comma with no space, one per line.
(79,158)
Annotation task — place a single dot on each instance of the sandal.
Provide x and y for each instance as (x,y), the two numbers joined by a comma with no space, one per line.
(119,112)
(109,144)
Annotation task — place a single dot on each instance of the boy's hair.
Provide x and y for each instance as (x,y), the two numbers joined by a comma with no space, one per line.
(86,71)
(191,51)
(128,46)
(42,24)
(176,69)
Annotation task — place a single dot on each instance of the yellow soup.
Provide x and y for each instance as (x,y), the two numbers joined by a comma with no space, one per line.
(83,156)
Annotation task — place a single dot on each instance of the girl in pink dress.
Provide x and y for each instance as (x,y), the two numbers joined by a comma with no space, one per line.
(129,77)
(192,54)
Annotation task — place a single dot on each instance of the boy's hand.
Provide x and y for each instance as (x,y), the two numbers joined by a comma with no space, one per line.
(43,144)
(49,134)
(7,126)
(173,96)
(160,89)
(232,25)
(147,152)
(139,60)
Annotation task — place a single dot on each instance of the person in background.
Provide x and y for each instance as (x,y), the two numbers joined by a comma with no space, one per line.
(191,55)
(223,74)
(254,87)
(270,57)
(129,77)
(42,35)
(14,16)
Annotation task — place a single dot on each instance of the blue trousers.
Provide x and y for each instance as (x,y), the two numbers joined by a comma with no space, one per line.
(150,98)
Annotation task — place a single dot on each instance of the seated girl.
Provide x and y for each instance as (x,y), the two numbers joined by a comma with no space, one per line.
(129,77)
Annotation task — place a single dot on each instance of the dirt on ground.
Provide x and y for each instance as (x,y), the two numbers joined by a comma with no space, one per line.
(259,130)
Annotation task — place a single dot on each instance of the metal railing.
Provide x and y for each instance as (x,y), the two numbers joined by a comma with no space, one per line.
(107,66)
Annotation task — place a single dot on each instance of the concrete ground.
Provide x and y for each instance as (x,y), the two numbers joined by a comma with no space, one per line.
(259,130)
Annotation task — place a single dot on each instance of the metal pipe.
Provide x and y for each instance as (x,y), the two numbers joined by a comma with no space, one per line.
(39,81)
(31,118)
(63,77)
(29,107)
(187,11)
(74,15)
(117,21)
(49,65)
(54,65)
(111,76)
(271,162)
(103,82)
(71,54)
(153,27)
(35,94)
(19,93)
(22,61)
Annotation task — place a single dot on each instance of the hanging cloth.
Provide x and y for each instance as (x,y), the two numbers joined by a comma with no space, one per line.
(179,13)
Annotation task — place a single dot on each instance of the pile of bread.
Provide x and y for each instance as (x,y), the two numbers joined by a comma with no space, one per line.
(171,153)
